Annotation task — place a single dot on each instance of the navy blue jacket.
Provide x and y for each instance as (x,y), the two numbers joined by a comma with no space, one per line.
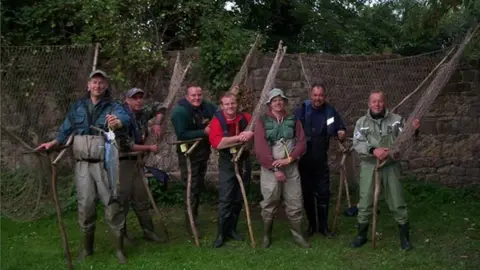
(319,125)
(79,118)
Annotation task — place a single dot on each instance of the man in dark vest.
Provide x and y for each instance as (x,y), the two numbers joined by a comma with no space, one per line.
(226,131)
(320,122)
(190,119)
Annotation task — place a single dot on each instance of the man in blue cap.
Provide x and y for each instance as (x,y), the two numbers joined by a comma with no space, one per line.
(96,108)
(131,166)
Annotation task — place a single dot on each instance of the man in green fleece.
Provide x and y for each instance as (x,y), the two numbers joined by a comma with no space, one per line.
(374,134)
(190,119)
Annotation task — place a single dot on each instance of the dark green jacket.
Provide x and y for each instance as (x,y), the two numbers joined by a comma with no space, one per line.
(189,122)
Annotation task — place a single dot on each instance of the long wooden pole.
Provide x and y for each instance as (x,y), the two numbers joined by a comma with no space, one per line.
(281,50)
(245,202)
(189,186)
(61,226)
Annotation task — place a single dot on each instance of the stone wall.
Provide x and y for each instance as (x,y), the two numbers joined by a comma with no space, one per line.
(448,150)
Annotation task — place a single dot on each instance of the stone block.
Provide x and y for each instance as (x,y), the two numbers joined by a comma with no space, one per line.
(445,169)
(432,178)
(472,172)
(428,126)
(457,170)
(468,75)
(456,78)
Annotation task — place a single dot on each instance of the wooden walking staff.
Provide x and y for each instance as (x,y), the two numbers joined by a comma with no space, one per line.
(189,186)
(61,226)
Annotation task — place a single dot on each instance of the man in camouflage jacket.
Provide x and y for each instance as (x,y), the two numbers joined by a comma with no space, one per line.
(131,166)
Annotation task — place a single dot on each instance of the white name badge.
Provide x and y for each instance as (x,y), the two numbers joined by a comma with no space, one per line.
(330,120)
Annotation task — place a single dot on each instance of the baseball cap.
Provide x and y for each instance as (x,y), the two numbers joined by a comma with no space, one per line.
(133,91)
(98,72)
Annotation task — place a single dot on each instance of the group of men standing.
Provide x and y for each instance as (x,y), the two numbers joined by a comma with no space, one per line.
(291,148)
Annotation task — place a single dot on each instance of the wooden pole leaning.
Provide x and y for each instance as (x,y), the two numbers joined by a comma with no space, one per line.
(376,194)
(245,201)
(342,182)
(188,193)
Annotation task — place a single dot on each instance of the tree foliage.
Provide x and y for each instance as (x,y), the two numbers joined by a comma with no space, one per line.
(135,33)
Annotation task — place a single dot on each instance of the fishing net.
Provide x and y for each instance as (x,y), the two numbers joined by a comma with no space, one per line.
(38,83)
(404,142)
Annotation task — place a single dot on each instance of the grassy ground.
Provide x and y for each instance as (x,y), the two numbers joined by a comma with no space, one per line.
(445,233)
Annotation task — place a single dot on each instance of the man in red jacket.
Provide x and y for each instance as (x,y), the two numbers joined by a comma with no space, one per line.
(226,133)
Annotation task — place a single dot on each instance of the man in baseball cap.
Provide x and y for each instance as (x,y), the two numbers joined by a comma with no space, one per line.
(90,174)
(131,169)
(98,72)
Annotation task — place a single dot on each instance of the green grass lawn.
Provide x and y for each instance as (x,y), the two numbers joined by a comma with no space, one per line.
(445,232)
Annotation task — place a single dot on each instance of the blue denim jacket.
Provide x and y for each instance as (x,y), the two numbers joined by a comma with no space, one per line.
(79,120)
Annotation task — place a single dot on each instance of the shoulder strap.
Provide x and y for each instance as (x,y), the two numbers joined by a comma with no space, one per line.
(243,122)
(223,122)
(307,117)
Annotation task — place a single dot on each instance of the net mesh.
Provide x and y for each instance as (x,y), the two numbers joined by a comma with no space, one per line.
(350,79)
(38,84)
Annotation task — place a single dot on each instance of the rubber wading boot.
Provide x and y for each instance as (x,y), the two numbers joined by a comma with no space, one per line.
(404,237)
(148,229)
(220,240)
(128,239)
(312,220)
(361,238)
(323,216)
(267,233)
(296,227)
(310,230)
(118,244)
(88,239)
(231,231)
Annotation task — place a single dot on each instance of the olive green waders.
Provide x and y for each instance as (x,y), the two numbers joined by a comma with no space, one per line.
(133,190)
(393,191)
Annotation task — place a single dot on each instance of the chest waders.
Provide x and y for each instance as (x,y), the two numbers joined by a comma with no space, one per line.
(385,141)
